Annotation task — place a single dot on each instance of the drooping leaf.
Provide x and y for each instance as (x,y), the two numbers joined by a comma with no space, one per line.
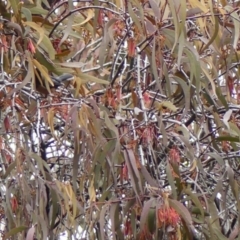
(16,230)
(39,30)
(183,211)
(145,211)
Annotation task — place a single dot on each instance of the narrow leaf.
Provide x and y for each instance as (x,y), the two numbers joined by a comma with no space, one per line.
(39,29)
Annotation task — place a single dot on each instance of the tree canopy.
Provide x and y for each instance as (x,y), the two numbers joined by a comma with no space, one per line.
(142,142)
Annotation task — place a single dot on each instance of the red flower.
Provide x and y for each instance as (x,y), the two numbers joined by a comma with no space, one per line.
(168,216)
(147,100)
(125,172)
(148,135)
(14,204)
(174,155)
(101,18)
(230,84)
(127,228)
(131,47)
(173,217)
(7,124)
(31,47)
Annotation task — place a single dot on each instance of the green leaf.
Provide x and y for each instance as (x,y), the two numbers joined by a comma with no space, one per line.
(233,182)
(39,29)
(145,211)
(15,231)
(47,45)
(171,181)
(221,97)
(38,10)
(227,138)
(30,75)
(217,157)
(181,44)
(135,17)
(112,214)
(43,166)
(236,22)
(175,21)
(15,26)
(102,220)
(15,7)
(43,60)
(67,30)
(234,129)
(27,13)
(218,234)
(72,64)
(10,168)
(183,212)
(195,200)
(186,91)
(88,78)
(151,220)
(153,61)
(55,207)
(197,211)
(169,105)
(105,41)
(215,33)
(44,73)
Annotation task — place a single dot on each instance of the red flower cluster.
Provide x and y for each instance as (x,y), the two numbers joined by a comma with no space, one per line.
(174,155)
(167,216)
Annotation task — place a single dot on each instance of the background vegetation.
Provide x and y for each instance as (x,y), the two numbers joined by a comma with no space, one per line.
(143,143)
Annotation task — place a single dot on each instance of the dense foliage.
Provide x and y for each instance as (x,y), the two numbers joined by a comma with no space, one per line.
(143,142)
